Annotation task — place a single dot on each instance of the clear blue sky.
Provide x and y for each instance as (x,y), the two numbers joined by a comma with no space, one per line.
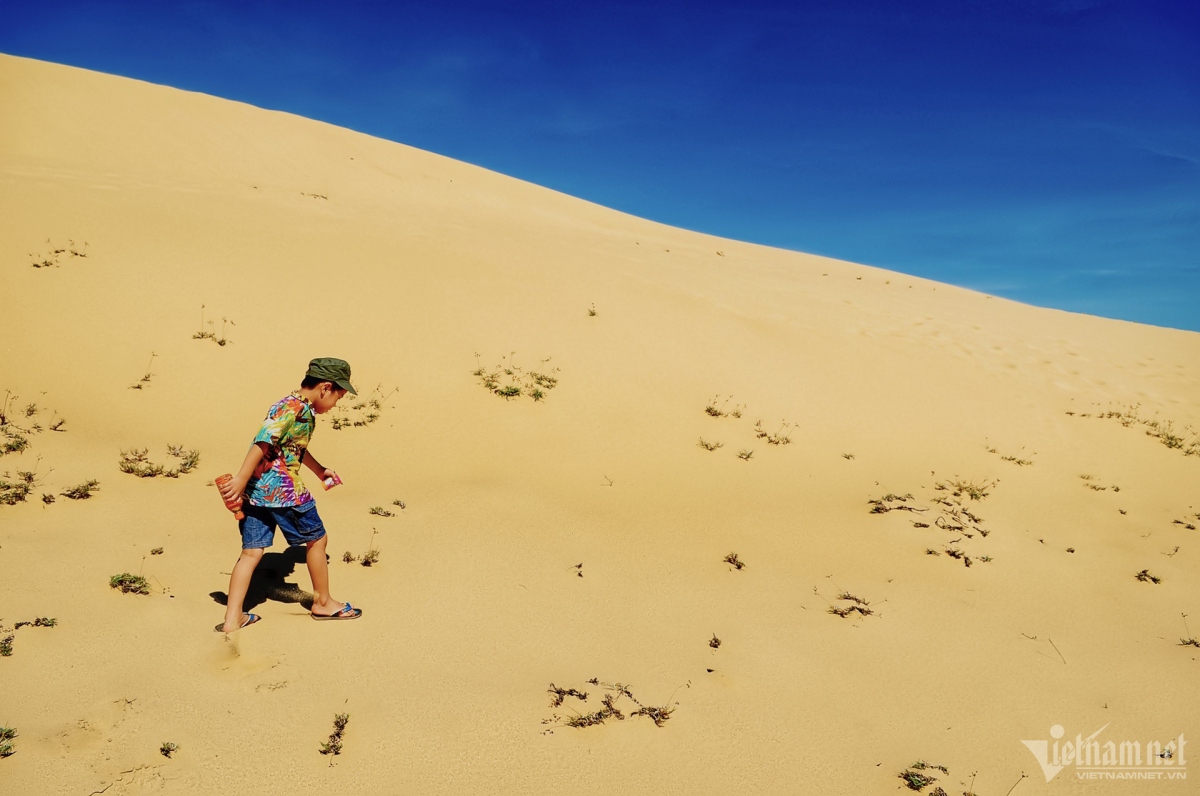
(1042,150)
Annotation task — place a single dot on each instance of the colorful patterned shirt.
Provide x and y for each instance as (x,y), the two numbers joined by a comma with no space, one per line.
(287,429)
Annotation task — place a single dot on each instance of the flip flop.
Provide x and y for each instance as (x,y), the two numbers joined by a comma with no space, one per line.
(249,620)
(348,612)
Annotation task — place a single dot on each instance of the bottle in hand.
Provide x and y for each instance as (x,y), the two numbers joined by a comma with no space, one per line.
(235,505)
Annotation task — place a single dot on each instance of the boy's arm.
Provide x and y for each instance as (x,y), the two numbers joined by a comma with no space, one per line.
(234,489)
(319,469)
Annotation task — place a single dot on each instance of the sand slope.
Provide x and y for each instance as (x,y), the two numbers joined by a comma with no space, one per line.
(317,241)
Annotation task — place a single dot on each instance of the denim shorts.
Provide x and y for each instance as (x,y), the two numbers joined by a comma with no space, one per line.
(300,525)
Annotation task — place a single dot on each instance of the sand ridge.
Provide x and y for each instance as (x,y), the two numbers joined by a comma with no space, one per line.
(298,239)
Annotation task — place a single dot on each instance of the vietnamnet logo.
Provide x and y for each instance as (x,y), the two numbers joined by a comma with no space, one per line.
(1095,758)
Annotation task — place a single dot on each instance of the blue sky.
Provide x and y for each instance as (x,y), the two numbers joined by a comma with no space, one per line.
(1043,150)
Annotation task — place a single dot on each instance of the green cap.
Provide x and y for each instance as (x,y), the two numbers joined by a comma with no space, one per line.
(332,370)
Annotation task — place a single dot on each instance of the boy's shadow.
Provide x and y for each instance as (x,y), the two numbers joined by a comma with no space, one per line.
(268,583)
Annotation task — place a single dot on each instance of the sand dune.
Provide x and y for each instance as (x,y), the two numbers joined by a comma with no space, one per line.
(297,239)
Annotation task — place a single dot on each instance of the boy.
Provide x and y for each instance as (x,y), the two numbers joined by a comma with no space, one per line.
(274,495)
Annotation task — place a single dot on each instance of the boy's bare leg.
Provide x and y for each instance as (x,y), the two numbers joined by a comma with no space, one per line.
(239,584)
(318,571)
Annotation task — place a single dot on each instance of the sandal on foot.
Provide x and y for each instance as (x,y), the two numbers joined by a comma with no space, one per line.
(247,620)
(348,611)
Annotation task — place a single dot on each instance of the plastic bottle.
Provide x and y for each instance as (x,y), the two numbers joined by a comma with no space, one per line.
(236,505)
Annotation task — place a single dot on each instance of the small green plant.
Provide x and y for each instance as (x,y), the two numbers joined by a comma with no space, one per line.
(1190,641)
(41,621)
(210,333)
(557,695)
(81,491)
(48,498)
(714,642)
(168,749)
(592,311)
(733,561)
(144,380)
(509,381)
(1145,577)
(893,502)
(710,446)
(363,412)
(857,605)
(129,584)
(782,436)
(609,710)
(848,456)
(334,745)
(6,745)
(14,492)
(399,503)
(380,511)
(745,455)
(371,557)
(6,643)
(349,557)
(1187,440)
(137,462)
(975,490)
(156,551)
(713,409)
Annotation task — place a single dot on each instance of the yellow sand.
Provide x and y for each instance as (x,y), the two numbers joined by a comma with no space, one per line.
(313,240)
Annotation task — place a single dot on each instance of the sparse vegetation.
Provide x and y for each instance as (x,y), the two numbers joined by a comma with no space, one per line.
(137,462)
(915,778)
(733,561)
(168,749)
(1014,459)
(781,436)
(144,380)
(714,642)
(14,492)
(745,455)
(81,491)
(399,503)
(157,551)
(7,749)
(334,745)
(592,311)
(715,409)
(559,694)
(365,411)
(509,380)
(976,490)
(856,605)
(51,257)
(894,502)
(608,710)
(367,559)
(710,446)
(129,584)
(1190,641)
(1145,577)
(1186,440)
(210,333)
(380,511)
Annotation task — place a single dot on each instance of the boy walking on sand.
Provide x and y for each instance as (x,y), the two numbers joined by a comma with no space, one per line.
(273,494)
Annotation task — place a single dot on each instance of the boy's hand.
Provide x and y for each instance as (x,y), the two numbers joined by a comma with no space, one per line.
(233,489)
